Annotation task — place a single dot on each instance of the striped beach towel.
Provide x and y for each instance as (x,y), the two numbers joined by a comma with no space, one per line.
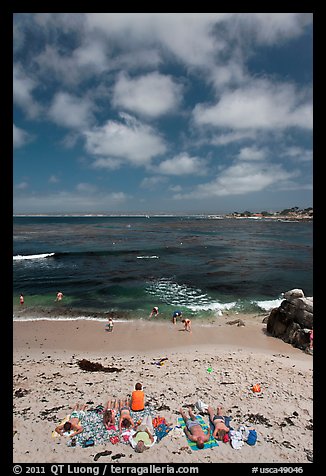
(208,444)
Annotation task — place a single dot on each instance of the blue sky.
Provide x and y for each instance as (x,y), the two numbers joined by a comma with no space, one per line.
(162,112)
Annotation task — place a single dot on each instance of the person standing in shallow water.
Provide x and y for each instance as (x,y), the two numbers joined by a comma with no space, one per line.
(59,296)
(154,311)
(175,315)
(21,299)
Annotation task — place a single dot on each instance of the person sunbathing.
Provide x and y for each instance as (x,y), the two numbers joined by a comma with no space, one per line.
(125,419)
(73,424)
(109,414)
(143,438)
(218,420)
(193,430)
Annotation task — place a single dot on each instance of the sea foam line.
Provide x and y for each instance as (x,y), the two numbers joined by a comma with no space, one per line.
(38,256)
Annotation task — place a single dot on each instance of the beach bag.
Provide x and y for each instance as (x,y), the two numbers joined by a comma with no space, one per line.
(252,437)
(201,406)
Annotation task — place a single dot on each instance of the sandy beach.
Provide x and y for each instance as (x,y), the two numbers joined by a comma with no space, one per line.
(217,363)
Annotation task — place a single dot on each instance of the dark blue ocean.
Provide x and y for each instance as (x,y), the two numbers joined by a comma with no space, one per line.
(126,265)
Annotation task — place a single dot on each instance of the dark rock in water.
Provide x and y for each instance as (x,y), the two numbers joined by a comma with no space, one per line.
(293,319)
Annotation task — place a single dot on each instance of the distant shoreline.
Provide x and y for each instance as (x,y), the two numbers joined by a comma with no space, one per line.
(163,215)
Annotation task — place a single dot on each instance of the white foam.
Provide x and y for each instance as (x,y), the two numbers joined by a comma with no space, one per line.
(38,256)
(148,257)
(268,305)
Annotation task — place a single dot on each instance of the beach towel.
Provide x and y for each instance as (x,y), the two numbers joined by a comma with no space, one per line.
(208,444)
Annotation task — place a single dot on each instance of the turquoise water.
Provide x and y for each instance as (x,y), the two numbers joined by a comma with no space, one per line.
(128,265)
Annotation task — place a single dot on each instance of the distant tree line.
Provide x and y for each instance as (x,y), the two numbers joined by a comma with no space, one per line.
(285,212)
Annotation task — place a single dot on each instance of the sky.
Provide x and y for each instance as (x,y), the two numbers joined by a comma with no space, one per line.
(162,112)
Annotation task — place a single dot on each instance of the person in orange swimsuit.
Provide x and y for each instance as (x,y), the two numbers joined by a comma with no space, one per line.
(218,420)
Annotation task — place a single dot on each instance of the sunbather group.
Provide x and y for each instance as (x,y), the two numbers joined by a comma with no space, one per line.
(195,432)
(142,436)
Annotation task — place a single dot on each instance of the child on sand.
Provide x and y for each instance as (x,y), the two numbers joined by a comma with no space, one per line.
(137,398)
(110,325)
(187,324)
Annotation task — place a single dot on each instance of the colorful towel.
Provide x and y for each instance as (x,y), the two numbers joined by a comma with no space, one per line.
(92,423)
(209,444)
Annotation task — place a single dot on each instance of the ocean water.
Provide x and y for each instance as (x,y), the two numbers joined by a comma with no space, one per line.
(127,265)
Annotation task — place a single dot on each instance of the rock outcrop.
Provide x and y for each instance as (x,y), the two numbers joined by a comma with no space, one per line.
(293,319)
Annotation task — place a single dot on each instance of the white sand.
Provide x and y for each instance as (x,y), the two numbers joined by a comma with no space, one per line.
(47,374)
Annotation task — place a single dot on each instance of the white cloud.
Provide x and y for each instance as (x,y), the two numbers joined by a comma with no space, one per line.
(71,111)
(271,28)
(20,137)
(229,137)
(69,202)
(23,87)
(298,154)
(252,153)
(53,179)
(260,104)
(182,164)
(152,182)
(22,186)
(242,178)
(108,163)
(152,95)
(131,141)
(85,187)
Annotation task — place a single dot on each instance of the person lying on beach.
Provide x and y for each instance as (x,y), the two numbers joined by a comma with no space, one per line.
(187,324)
(125,420)
(137,398)
(109,413)
(78,411)
(143,438)
(218,420)
(194,430)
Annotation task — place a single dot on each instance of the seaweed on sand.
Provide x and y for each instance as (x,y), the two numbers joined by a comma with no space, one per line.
(85,364)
